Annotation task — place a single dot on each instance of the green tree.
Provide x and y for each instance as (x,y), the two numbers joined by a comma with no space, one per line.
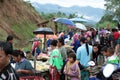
(113,6)
(107,17)
(72,15)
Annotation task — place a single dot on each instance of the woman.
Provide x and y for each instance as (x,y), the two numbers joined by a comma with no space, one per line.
(23,66)
(76,42)
(56,62)
(63,53)
(96,56)
(83,57)
(71,69)
(89,40)
(61,48)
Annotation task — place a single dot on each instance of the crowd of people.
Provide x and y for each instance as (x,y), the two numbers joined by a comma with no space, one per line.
(101,47)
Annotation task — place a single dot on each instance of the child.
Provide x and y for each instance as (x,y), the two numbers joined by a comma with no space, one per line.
(71,70)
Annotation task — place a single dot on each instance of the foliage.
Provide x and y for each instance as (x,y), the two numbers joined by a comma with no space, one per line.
(113,6)
(105,20)
(106,23)
(72,15)
(107,17)
(112,14)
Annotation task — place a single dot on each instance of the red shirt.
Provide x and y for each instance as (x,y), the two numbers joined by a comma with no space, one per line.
(116,35)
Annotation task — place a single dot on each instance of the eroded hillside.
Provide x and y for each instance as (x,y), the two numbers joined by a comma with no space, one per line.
(19,19)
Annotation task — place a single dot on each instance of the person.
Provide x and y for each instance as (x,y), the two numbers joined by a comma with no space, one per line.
(97,56)
(69,51)
(111,56)
(10,40)
(104,40)
(116,35)
(6,70)
(89,40)
(104,52)
(83,57)
(63,53)
(70,33)
(117,48)
(23,67)
(49,41)
(76,42)
(55,61)
(29,55)
(71,70)
(111,59)
(61,48)
(35,47)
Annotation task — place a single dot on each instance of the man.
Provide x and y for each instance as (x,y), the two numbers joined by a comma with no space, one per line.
(6,71)
(110,65)
(10,40)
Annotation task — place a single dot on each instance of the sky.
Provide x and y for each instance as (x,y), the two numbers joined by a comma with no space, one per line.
(68,3)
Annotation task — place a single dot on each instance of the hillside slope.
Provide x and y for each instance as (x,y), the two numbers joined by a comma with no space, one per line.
(19,19)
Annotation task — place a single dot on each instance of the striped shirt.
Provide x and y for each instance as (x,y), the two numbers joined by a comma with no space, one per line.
(8,73)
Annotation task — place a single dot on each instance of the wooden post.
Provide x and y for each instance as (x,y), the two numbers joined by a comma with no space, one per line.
(35,58)
(56,28)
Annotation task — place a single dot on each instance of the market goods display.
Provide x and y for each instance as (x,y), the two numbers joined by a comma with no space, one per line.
(41,66)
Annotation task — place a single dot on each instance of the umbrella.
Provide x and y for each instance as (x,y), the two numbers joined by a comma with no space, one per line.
(43,31)
(64,21)
(83,21)
(78,19)
(80,26)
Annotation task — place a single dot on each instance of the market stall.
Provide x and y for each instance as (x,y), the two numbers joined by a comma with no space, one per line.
(40,62)
(42,68)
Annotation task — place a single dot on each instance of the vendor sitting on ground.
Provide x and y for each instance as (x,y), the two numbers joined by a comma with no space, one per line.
(23,66)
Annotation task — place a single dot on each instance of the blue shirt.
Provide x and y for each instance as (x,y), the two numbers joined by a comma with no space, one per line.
(76,45)
(24,65)
(82,54)
(49,42)
(70,33)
